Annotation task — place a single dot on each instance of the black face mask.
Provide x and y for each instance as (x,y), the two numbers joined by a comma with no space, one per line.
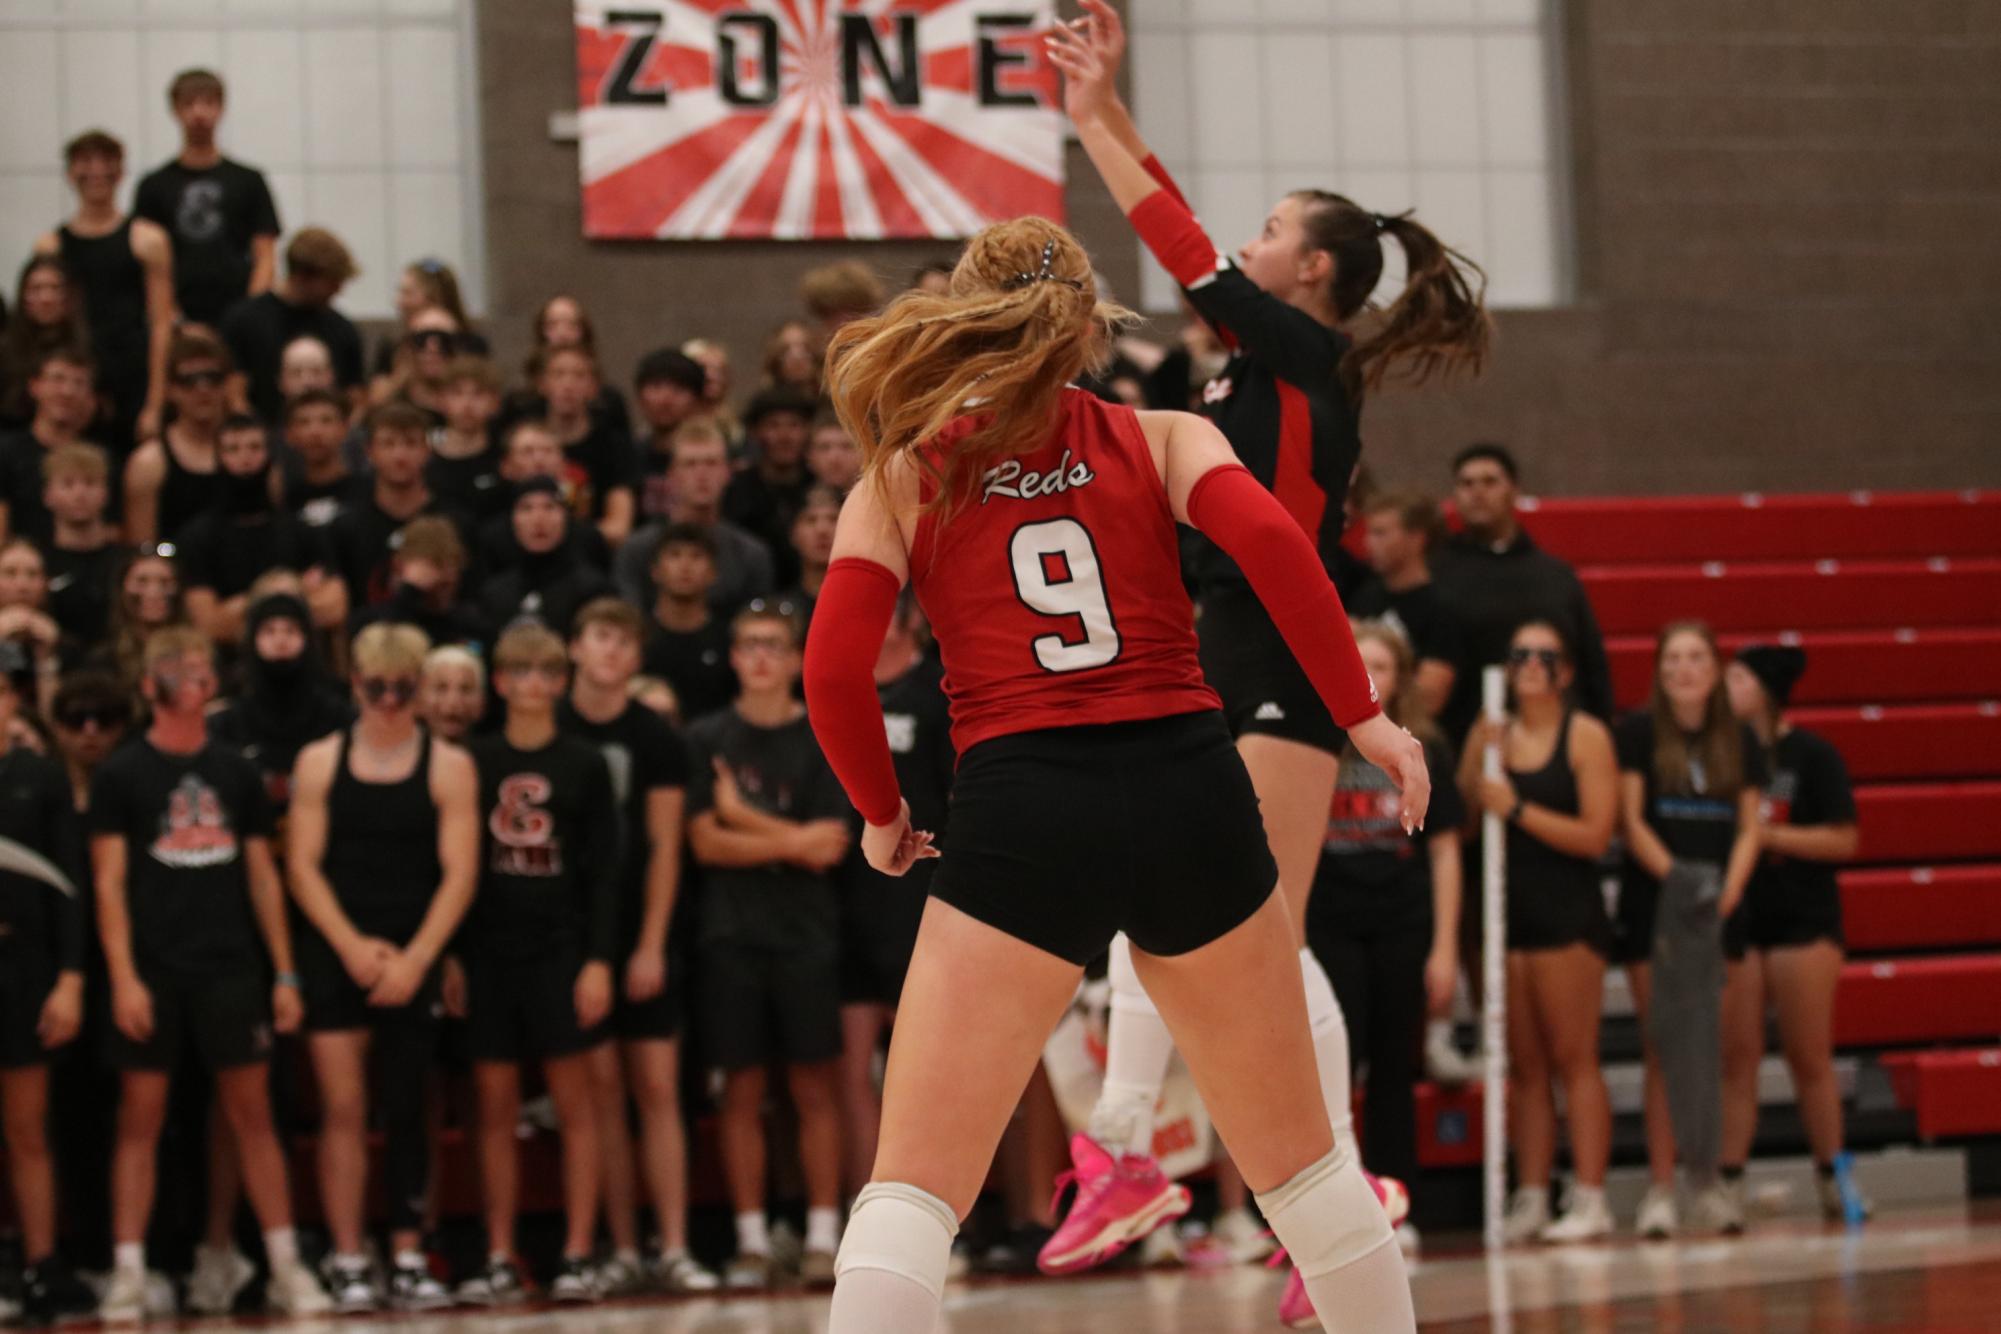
(282,672)
(246,495)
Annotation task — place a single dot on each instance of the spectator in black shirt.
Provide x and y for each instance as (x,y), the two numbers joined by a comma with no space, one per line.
(537,950)
(530,450)
(1785,942)
(260,328)
(465,464)
(563,322)
(287,699)
(319,488)
(813,546)
(427,587)
(549,583)
(364,536)
(218,212)
(1401,525)
(60,389)
(434,339)
(82,553)
(831,454)
(602,465)
(191,911)
(41,999)
(47,314)
(697,480)
(171,479)
(668,384)
(305,365)
(649,777)
(423,284)
(25,623)
(1492,577)
(688,645)
(245,534)
(769,823)
(765,497)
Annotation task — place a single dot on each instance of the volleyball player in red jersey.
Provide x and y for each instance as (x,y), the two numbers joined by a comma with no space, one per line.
(1291,306)
(1098,789)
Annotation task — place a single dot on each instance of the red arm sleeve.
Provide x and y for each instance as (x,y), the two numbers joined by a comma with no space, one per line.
(849,621)
(1176,239)
(1243,518)
(1159,173)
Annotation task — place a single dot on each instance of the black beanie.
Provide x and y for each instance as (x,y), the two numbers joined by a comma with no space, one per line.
(271,607)
(1778,668)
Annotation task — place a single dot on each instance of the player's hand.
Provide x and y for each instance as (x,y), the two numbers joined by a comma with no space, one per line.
(1106,31)
(62,1012)
(895,847)
(645,974)
(398,982)
(288,1009)
(452,987)
(1088,90)
(593,994)
(820,845)
(132,1009)
(1400,755)
(1441,974)
(366,959)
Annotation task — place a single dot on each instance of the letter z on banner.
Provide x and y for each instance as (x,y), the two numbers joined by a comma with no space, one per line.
(815,119)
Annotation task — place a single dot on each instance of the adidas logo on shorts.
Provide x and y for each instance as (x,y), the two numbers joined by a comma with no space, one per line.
(1269,712)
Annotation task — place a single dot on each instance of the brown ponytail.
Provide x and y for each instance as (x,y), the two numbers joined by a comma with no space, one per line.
(1438,324)
(1020,321)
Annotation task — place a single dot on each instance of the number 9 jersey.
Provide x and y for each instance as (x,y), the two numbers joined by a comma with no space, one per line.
(1056,591)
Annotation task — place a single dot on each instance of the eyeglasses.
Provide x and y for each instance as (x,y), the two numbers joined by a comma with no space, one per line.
(396,691)
(1548,657)
(548,671)
(105,716)
(199,379)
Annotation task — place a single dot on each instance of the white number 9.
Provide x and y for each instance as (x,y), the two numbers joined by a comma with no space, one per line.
(1078,591)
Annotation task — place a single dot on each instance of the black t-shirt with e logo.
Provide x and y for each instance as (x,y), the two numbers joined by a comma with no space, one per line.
(184,819)
(548,851)
(212,213)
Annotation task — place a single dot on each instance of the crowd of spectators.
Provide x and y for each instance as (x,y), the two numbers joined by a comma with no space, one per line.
(426,726)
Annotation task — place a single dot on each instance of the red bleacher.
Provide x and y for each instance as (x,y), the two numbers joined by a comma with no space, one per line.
(1594,531)
(1924,907)
(1890,1002)
(1796,595)
(1911,741)
(1850,666)
(1956,1092)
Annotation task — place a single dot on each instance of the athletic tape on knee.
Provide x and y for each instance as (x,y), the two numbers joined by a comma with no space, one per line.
(1326,1217)
(1127,993)
(900,1230)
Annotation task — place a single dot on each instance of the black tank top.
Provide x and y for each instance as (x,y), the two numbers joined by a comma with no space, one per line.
(1532,862)
(382,846)
(184,493)
(113,284)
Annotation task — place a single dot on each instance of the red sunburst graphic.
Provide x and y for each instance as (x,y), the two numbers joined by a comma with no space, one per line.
(815,119)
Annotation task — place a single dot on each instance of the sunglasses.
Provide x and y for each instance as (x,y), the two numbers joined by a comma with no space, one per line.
(199,379)
(106,718)
(1548,657)
(395,690)
(436,340)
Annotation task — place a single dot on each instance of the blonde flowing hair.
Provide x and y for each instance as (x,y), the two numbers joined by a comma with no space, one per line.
(1020,321)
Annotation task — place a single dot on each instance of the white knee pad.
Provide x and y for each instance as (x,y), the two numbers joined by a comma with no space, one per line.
(900,1230)
(1322,1006)
(1127,993)
(1327,1217)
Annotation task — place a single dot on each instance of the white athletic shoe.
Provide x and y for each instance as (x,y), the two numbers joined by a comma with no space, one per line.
(1528,1214)
(1443,1060)
(1718,1207)
(1588,1219)
(1243,1237)
(218,1279)
(1658,1219)
(293,1289)
(124,1300)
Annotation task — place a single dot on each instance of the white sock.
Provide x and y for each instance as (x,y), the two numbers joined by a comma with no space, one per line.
(1342,1247)
(1330,1051)
(412,1260)
(1137,1050)
(890,1274)
(1586,1197)
(281,1247)
(351,1258)
(823,1229)
(627,1256)
(129,1257)
(751,1236)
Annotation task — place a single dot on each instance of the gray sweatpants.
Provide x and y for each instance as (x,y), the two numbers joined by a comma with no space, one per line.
(1686,1020)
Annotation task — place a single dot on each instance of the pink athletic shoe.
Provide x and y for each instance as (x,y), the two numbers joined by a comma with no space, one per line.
(1118,1202)
(1295,1308)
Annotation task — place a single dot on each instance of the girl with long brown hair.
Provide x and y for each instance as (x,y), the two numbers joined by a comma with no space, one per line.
(47,314)
(1097,789)
(1293,307)
(1689,780)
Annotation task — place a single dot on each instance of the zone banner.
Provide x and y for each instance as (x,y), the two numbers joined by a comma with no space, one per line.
(815,119)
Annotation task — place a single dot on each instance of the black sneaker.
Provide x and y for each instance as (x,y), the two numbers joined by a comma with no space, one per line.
(52,1293)
(576,1281)
(499,1284)
(413,1288)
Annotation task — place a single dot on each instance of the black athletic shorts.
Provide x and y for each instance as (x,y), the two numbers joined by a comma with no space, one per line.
(1782,919)
(879,921)
(1633,919)
(762,1005)
(1554,917)
(659,1018)
(224,1017)
(1265,691)
(24,988)
(334,1004)
(1065,836)
(525,1009)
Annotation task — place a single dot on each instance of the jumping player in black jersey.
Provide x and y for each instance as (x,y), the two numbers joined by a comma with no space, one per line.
(1289,403)
(383,843)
